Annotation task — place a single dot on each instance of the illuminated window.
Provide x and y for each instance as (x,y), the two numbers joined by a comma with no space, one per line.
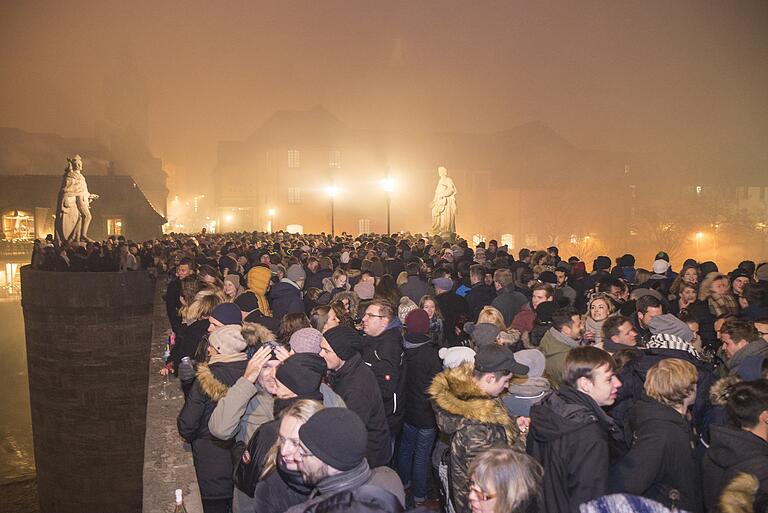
(698,190)
(114,226)
(334,159)
(294,159)
(507,239)
(19,225)
(294,195)
(478,238)
(364,225)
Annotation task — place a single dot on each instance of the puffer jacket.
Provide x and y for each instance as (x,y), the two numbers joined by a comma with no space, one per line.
(473,420)
(212,457)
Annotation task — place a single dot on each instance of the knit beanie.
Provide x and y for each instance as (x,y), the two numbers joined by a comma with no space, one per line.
(336,436)
(417,322)
(533,359)
(406,306)
(295,273)
(660,266)
(302,373)
(228,340)
(227,313)
(545,310)
(306,340)
(443,283)
(485,333)
(454,356)
(234,279)
(343,340)
(668,324)
(364,290)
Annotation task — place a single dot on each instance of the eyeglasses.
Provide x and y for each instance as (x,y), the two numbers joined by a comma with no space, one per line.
(479,493)
(366,314)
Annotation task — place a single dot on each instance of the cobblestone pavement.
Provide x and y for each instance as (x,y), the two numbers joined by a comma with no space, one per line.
(167,464)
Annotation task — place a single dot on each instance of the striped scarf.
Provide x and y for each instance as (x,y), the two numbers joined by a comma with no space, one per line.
(668,341)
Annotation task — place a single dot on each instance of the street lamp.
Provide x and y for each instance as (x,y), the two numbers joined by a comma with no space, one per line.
(332,191)
(388,185)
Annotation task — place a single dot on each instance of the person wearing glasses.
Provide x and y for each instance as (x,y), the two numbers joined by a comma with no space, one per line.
(331,456)
(504,480)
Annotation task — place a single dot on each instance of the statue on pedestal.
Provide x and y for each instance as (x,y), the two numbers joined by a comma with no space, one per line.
(444,205)
(73,211)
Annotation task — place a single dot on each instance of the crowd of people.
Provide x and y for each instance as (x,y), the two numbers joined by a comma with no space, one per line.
(382,373)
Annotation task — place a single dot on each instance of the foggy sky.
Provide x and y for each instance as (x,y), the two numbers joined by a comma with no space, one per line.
(636,76)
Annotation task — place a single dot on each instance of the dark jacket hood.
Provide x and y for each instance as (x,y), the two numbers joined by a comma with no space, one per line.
(283,289)
(730,445)
(564,412)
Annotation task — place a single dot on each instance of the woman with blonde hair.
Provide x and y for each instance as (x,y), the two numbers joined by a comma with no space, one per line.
(599,309)
(662,457)
(276,482)
(714,291)
(505,481)
(492,315)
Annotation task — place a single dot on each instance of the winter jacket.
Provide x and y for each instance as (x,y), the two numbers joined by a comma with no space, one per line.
(280,490)
(478,297)
(474,422)
(732,451)
(268,322)
(316,280)
(525,394)
(173,303)
(509,302)
(415,288)
(757,347)
(357,386)
(422,364)
(575,442)
(455,313)
(188,338)
(555,350)
(661,458)
(285,298)
(212,457)
(241,411)
(384,355)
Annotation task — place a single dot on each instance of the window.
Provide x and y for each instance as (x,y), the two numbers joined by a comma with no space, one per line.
(478,238)
(364,225)
(507,239)
(294,195)
(18,224)
(334,159)
(114,226)
(698,190)
(294,159)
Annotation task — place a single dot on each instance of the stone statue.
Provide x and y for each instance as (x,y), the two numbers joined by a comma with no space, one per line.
(444,205)
(73,211)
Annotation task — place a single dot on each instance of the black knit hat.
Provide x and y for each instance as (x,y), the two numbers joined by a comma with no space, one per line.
(247,301)
(343,340)
(302,373)
(336,436)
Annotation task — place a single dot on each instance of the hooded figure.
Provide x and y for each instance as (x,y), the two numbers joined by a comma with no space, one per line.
(258,279)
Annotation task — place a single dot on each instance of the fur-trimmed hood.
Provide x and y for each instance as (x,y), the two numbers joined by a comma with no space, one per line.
(455,392)
(228,368)
(718,392)
(255,333)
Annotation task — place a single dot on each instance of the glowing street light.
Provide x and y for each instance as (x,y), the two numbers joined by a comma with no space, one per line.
(699,235)
(332,192)
(229,218)
(271,213)
(388,185)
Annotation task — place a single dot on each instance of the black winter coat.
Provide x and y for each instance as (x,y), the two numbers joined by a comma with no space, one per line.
(414,288)
(455,313)
(173,303)
(661,458)
(384,355)
(285,298)
(732,451)
(575,442)
(356,384)
(316,280)
(188,339)
(280,490)
(213,458)
(422,364)
(478,297)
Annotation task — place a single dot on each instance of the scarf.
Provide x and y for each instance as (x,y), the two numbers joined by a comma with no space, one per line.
(227,358)
(349,480)
(568,341)
(667,341)
(412,341)
(721,305)
(595,327)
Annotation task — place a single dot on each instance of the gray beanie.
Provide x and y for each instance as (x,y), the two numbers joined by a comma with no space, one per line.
(295,273)
(485,333)
(668,324)
(533,359)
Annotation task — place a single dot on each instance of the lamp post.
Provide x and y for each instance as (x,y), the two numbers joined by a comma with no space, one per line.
(388,185)
(332,192)
(271,213)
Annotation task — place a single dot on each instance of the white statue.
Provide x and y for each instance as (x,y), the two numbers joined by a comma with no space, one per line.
(73,212)
(444,205)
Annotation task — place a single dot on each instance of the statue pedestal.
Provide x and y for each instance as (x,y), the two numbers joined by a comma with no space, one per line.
(88,345)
